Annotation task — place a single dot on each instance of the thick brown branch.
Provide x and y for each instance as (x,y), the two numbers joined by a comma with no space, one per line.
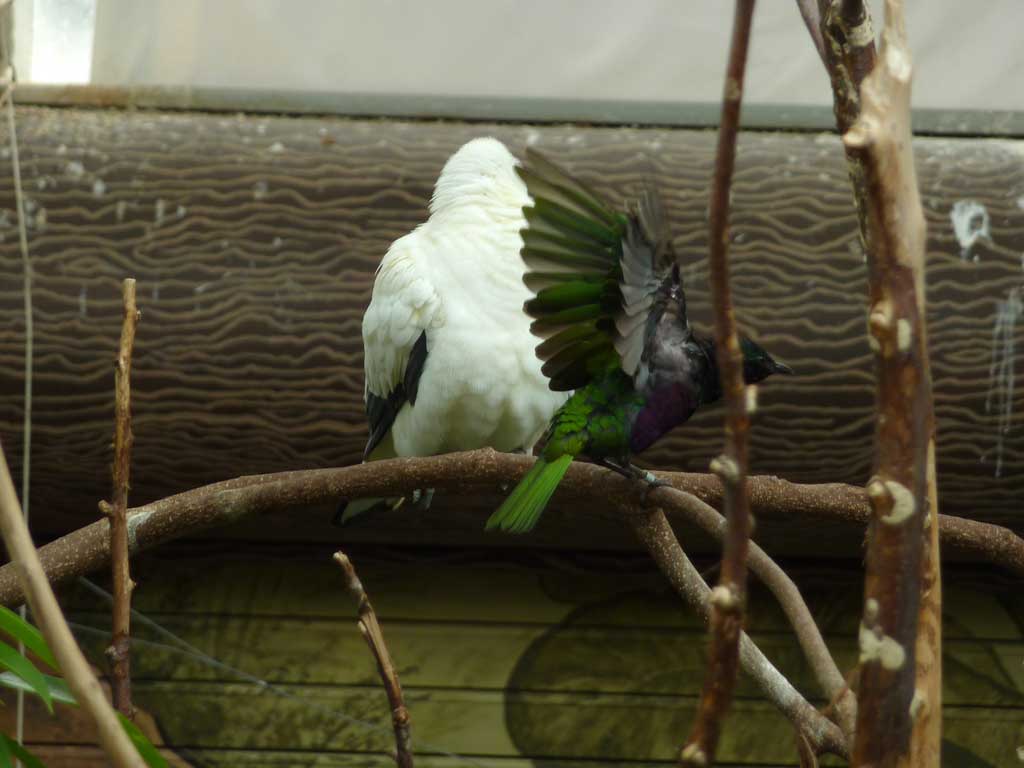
(896,698)
(88,549)
(374,636)
(728,598)
(119,651)
(654,531)
(83,684)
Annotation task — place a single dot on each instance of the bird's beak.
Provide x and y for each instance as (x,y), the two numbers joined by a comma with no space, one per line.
(782,368)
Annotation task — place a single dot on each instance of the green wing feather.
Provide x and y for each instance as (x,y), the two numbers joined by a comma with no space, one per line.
(597,274)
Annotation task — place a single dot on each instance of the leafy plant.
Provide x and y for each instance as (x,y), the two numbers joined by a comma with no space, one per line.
(22,674)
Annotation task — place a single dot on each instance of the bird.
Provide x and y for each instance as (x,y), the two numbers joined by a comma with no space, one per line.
(448,355)
(609,312)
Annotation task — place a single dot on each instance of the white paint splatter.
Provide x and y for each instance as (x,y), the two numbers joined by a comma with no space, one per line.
(159,210)
(877,646)
(277,147)
(99,188)
(259,190)
(277,242)
(1020,202)
(1000,372)
(970,224)
(181,211)
(74,169)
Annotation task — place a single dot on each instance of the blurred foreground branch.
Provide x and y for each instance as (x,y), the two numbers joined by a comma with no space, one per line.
(728,599)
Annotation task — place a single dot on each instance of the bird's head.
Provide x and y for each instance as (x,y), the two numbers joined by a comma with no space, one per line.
(757,363)
(481,171)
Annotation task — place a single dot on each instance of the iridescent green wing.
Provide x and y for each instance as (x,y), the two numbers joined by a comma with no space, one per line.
(599,276)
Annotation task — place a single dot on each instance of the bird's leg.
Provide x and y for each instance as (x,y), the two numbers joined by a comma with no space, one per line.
(632,472)
(421,499)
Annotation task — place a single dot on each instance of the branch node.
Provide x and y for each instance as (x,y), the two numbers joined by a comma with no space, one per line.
(918,704)
(726,468)
(106,508)
(726,598)
(751,399)
(693,756)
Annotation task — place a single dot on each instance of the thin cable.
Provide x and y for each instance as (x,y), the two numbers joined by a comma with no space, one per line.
(26,431)
(179,645)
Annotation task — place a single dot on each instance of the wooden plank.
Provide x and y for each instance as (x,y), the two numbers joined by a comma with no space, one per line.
(92,757)
(563,658)
(254,241)
(477,587)
(484,723)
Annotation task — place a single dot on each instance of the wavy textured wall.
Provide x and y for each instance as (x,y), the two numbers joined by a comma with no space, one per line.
(254,241)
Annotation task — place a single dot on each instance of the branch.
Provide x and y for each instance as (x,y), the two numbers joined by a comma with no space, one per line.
(654,531)
(823,665)
(729,597)
(87,549)
(84,685)
(849,56)
(374,636)
(119,651)
(899,698)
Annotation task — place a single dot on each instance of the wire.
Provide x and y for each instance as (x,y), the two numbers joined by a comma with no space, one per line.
(177,644)
(7,97)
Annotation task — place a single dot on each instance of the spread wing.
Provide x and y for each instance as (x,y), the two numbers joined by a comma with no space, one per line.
(404,306)
(601,277)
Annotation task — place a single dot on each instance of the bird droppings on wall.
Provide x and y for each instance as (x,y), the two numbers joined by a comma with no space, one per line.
(970,224)
(1001,373)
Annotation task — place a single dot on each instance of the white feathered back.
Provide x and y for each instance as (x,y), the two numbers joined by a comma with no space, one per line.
(482,171)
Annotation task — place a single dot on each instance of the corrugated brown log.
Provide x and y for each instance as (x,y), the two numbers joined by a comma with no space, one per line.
(254,241)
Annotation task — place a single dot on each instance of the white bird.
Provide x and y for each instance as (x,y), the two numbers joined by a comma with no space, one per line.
(449,359)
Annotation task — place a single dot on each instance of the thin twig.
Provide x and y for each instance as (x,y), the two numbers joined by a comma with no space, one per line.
(899,696)
(653,530)
(119,651)
(729,597)
(374,636)
(87,549)
(84,685)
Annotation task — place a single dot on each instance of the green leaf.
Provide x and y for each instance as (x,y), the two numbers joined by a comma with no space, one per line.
(58,688)
(146,749)
(24,669)
(19,629)
(9,746)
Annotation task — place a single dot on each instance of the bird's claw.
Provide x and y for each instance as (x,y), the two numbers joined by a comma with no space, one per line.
(651,482)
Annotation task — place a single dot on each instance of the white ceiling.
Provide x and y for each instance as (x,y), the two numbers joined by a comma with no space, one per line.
(968,54)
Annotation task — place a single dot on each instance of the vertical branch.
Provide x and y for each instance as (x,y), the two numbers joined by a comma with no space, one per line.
(727,599)
(899,703)
(83,684)
(119,651)
(371,631)
(849,55)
